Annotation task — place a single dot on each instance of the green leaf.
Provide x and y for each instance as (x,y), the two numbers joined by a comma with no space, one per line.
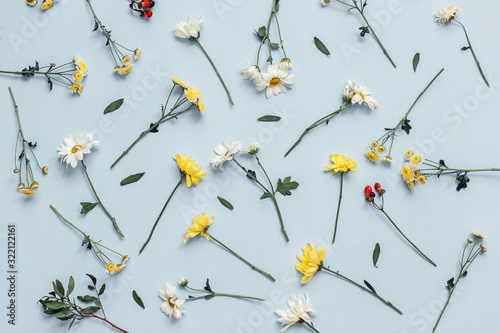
(132,178)
(286,185)
(58,288)
(54,305)
(261,32)
(137,299)
(87,298)
(270,59)
(91,287)
(376,254)
(370,287)
(269,118)
(416,60)
(251,174)
(321,46)
(265,195)
(225,203)
(91,309)
(98,302)
(114,106)
(71,286)
(64,315)
(87,207)
(103,288)
(94,280)
(275,46)
(450,284)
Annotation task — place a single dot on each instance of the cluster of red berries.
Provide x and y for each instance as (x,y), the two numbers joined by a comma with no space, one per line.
(143,7)
(370,195)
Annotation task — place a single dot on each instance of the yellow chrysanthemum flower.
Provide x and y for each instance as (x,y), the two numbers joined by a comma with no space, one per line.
(110,268)
(409,153)
(46,4)
(407,172)
(374,144)
(388,159)
(199,226)
(126,59)
(191,95)
(341,163)
(479,234)
(27,191)
(190,169)
(179,82)
(381,149)
(411,185)
(81,65)
(74,87)
(78,76)
(201,106)
(417,159)
(137,53)
(310,262)
(198,93)
(125,69)
(372,155)
(422,180)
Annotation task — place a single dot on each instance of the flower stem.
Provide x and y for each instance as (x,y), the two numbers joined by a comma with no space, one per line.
(338,207)
(310,326)
(316,124)
(373,33)
(143,134)
(365,289)
(101,318)
(409,241)
(216,71)
(16,109)
(214,294)
(68,222)
(474,55)
(113,220)
(252,266)
(161,213)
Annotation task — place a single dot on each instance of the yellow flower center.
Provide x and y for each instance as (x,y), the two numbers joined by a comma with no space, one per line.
(275,81)
(76,148)
(362,96)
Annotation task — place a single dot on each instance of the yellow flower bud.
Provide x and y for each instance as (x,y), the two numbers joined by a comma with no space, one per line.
(469,240)
(20,186)
(45,169)
(35,185)
(16,170)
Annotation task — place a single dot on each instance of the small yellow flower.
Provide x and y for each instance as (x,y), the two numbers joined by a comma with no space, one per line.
(417,159)
(16,170)
(46,4)
(374,144)
(199,226)
(483,247)
(201,106)
(422,180)
(119,268)
(179,82)
(416,173)
(407,172)
(125,69)
(45,169)
(34,186)
(411,185)
(27,191)
(381,149)
(110,268)
(81,65)
(125,258)
(479,235)
(191,95)
(80,89)
(409,153)
(372,155)
(20,186)
(197,91)
(137,53)
(126,59)
(190,169)
(310,262)
(78,76)
(31,2)
(116,69)
(388,159)
(76,87)
(341,163)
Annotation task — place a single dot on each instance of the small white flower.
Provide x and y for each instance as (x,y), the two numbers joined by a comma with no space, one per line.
(286,63)
(252,148)
(447,13)
(74,147)
(359,95)
(225,153)
(190,29)
(183,282)
(274,80)
(251,72)
(172,305)
(299,307)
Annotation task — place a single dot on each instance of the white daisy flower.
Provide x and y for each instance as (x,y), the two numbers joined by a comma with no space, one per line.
(190,29)
(359,95)
(252,148)
(225,153)
(286,63)
(251,72)
(74,147)
(172,305)
(274,80)
(298,312)
(447,13)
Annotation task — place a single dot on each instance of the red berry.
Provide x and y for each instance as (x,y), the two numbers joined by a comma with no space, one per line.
(378,186)
(148,13)
(146,4)
(368,190)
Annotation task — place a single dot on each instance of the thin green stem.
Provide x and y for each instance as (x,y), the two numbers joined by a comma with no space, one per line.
(252,266)
(409,241)
(161,213)
(279,34)
(265,173)
(216,71)
(316,124)
(239,296)
(252,176)
(310,326)
(16,109)
(365,289)
(113,220)
(65,220)
(474,54)
(338,207)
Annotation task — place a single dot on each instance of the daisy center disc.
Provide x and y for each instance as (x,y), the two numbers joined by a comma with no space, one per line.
(76,148)
(274,81)
(362,96)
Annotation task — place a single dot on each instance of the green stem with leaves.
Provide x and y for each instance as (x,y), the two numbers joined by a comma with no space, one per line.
(338,207)
(317,123)
(252,266)
(161,213)
(113,220)
(216,70)
(365,289)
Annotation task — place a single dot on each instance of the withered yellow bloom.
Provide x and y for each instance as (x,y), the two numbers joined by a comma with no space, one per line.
(199,227)
(310,262)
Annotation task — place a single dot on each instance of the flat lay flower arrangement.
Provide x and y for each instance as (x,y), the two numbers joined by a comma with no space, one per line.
(142,193)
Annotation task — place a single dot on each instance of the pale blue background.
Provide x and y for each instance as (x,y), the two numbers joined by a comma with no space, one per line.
(456,120)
